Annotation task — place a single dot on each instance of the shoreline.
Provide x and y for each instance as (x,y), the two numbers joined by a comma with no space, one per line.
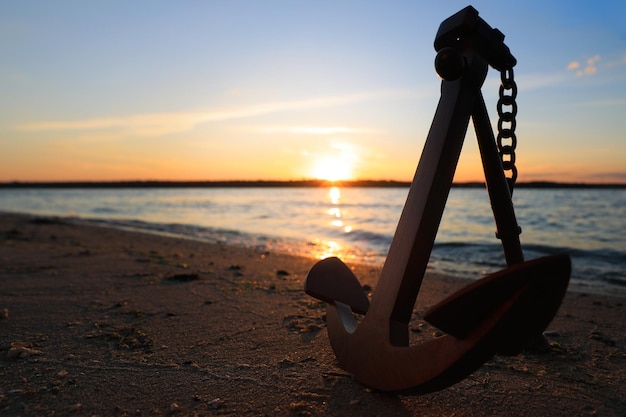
(276,244)
(102,321)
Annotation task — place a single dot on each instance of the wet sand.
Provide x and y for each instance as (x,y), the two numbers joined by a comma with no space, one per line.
(99,321)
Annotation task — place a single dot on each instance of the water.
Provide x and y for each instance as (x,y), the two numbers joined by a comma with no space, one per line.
(358,224)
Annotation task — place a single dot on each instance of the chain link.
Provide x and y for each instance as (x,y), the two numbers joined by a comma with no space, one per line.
(507,112)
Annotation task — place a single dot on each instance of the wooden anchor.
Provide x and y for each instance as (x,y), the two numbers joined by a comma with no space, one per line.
(501,312)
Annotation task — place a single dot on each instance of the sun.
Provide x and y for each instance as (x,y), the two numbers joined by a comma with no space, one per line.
(335,163)
(332,168)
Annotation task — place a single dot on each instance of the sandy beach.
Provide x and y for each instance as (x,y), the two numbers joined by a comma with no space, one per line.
(100,321)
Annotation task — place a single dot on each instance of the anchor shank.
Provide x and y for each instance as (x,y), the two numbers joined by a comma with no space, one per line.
(499,195)
(406,262)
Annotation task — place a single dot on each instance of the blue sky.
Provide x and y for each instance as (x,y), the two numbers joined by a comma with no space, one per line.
(195,90)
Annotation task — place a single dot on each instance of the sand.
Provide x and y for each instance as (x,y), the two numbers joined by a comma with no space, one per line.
(99,321)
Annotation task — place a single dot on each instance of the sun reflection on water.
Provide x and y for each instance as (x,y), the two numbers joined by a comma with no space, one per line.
(335,211)
(334,194)
(328,248)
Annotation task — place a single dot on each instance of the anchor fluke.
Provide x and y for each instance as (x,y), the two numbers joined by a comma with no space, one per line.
(332,281)
(535,288)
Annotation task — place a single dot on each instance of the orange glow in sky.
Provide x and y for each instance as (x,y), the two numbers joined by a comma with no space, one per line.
(298,90)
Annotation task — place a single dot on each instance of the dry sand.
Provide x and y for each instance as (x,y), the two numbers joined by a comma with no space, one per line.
(98,321)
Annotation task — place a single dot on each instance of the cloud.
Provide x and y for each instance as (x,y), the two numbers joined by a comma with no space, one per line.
(573,65)
(529,81)
(616,62)
(607,102)
(155,124)
(143,124)
(618,176)
(315,130)
(589,68)
(535,81)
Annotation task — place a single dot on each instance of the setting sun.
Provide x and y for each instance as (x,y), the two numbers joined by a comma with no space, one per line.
(332,169)
(336,163)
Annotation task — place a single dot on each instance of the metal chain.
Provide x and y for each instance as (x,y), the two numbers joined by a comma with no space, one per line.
(507,111)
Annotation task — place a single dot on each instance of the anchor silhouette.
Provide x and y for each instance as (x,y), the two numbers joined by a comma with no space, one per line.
(501,312)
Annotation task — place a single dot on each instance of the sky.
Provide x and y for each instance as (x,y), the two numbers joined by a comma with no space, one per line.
(287,90)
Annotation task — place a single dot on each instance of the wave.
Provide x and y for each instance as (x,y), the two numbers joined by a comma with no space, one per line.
(590,268)
(371,238)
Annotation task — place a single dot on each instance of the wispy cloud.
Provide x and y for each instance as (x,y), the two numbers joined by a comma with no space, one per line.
(539,80)
(573,66)
(607,102)
(617,62)
(588,67)
(154,124)
(529,81)
(315,130)
(609,176)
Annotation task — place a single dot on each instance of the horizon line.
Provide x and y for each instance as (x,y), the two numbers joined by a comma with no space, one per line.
(282,183)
